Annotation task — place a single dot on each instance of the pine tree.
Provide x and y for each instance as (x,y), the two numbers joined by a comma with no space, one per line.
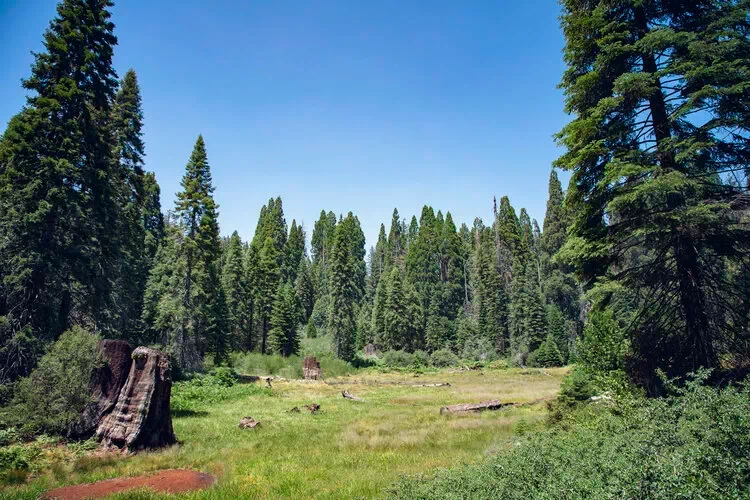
(127,121)
(152,218)
(252,273)
(284,321)
(415,333)
(343,294)
(396,242)
(395,317)
(378,312)
(60,218)
(378,259)
(214,316)
(235,290)
(304,290)
(294,252)
(268,278)
(658,94)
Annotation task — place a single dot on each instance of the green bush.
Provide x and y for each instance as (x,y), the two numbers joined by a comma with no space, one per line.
(478,349)
(421,358)
(443,358)
(397,359)
(547,355)
(224,376)
(252,363)
(54,395)
(695,444)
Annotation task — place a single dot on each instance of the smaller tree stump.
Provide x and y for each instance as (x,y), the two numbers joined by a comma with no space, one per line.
(313,407)
(311,368)
(248,423)
(370,350)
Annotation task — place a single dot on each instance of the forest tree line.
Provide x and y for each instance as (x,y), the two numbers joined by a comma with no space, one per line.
(650,241)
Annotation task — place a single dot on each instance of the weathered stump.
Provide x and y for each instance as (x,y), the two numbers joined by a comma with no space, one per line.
(248,423)
(493,404)
(311,368)
(370,350)
(106,383)
(313,407)
(141,418)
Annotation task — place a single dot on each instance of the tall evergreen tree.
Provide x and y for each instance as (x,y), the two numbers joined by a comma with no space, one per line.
(294,251)
(60,219)
(659,95)
(343,294)
(268,278)
(304,290)
(396,321)
(235,290)
(284,322)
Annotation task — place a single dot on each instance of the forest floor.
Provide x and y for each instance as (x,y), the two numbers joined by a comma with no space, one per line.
(348,449)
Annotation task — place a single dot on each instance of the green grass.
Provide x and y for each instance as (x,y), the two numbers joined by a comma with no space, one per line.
(349,450)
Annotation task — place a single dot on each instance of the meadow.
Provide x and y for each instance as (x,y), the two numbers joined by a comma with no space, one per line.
(348,449)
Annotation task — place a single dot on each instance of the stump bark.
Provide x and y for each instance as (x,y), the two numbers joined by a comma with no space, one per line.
(311,368)
(371,350)
(106,383)
(141,418)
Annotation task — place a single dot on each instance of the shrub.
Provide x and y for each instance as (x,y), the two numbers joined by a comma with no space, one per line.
(443,358)
(224,376)
(56,392)
(547,355)
(694,444)
(421,358)
(397,359)
(478,349)
(310,331)
(604,344)
(201,391)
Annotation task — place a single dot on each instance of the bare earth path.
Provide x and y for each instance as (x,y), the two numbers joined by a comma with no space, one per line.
(168,481)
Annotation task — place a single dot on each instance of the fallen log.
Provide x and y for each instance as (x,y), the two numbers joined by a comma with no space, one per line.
(349,395)
(441,384)
(494,404)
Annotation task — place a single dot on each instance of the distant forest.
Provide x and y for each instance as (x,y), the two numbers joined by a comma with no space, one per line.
(649,245)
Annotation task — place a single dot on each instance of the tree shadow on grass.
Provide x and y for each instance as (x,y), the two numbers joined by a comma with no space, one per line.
(189,413)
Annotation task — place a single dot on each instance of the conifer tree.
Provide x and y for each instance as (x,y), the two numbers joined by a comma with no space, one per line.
(396,242)
(267,284)
(60,219)
(658,92)
(284,321)
(252,273)
(304,289)
(235,290)
(378,312)
(214,316)
(343,294)
(378,259)
(294,251)
(395,317)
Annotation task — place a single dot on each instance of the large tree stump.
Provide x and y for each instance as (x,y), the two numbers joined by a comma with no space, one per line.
(106,383)
(493,404)
(371,350)
(311,368)
(141,418)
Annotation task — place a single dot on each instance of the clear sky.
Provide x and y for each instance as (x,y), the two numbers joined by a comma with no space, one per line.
(345,105)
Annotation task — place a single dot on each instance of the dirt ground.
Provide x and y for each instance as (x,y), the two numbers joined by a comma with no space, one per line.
(170,481)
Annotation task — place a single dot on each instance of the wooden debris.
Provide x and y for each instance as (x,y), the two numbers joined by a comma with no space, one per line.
(313,407)
(268,383)
(349,395)
(440,384)
(248,423)
(494,404)
(295,410)
(311,368)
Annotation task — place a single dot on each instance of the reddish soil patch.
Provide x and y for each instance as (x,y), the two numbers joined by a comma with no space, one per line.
(168,481)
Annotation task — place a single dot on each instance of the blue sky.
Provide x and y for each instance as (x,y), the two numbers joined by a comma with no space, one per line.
(335,104)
